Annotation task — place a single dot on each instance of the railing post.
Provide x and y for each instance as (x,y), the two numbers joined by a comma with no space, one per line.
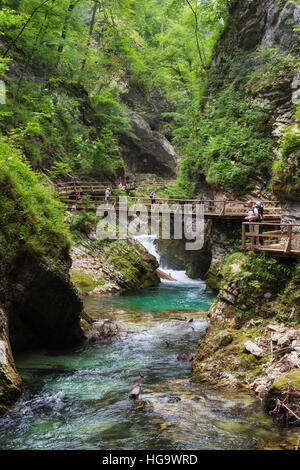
(224,207)
(243,236)
(289,240)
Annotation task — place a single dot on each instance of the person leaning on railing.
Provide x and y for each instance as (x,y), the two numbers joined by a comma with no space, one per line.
(253,216)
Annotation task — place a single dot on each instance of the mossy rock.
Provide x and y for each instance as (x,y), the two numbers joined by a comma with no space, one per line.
(134,267)
(174,253)
(85,282)
(213,279)
(291,378)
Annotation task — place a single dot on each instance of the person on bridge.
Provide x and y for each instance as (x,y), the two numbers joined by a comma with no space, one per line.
(153,196)
(260,207)
(253,216)
(107,194)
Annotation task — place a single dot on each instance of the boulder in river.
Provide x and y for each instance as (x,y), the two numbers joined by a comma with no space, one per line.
(102,331)
(185,356)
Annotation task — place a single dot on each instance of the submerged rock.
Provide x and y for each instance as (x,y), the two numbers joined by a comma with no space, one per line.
(185,356)
(102,331)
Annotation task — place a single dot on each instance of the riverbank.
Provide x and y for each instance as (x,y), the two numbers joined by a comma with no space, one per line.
(253,341)
(78,399)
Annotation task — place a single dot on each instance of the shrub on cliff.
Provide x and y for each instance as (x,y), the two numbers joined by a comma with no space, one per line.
(229,137)
(260,281)
(31,218)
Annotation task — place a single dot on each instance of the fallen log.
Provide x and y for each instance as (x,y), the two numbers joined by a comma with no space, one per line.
(186,320)
(135,392)
(165,276)
(137,389)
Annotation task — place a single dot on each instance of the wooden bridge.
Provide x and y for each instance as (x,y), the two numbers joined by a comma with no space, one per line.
(213,209)
(278,239)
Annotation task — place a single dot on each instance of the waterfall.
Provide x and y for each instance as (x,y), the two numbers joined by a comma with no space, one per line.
(148,242)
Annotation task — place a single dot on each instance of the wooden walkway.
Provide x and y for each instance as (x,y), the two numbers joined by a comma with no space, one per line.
(231,210)
(278,239)
(72,188)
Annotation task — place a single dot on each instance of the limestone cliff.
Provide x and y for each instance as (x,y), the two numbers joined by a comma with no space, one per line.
(253,338)
(150,151)
(39,306)
(10,381)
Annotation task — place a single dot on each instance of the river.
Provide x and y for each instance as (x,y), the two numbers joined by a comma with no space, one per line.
(78,399)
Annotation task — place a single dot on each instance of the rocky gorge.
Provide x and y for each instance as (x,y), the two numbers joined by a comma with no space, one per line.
(253,337)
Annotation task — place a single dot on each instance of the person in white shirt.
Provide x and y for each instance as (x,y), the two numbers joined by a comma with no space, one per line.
(253,216)
(107,194)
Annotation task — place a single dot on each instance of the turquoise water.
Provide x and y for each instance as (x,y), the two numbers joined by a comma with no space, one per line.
(166,297)
(79,399)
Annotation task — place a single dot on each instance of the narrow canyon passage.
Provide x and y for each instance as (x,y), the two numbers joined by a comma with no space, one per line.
(80,399)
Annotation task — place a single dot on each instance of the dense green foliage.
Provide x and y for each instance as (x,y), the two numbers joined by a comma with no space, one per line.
(232,142)
(255,276)
(286,170)
(31,219)
(67,63)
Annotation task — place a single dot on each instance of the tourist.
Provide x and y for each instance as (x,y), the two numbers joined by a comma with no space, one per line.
(253,216)
(153,196)
(260,207)
(107,194)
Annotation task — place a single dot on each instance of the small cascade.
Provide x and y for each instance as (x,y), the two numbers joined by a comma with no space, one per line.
(148,242)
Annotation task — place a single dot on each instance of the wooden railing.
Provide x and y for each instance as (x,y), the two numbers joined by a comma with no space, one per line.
(89,187)
(282,239)
(212,208)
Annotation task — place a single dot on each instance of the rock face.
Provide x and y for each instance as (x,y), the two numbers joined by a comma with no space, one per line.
(118,266)
(247,345)
(221,243)
(267,22)
(42,305)
(261,25)
(10,381)
(291,214)
(39,307)
(150,152)
(175,256)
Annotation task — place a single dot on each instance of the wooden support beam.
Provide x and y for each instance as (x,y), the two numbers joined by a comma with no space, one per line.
(243,236)
(288,244)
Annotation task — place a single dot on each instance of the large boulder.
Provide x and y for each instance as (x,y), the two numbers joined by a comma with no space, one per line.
(149,151)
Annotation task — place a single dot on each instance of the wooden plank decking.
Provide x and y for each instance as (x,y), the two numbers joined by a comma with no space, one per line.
(284,240)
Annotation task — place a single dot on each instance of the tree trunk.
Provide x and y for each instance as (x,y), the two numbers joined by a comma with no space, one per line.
(92,25)
(65,27)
